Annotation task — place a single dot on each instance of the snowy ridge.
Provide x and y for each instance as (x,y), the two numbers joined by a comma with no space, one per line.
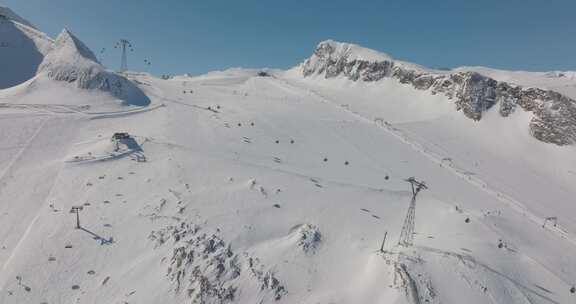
(352,51)
(330,57)
(7,13)
(563,82)
(473,93)
(22,49)
(41,40)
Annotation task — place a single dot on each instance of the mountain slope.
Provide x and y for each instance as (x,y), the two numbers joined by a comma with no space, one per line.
(73,62)
(554,114)
(242,187)
(221,213)
(22,49)
(7,13)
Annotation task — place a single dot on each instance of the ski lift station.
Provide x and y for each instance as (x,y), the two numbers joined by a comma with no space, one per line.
(120,135)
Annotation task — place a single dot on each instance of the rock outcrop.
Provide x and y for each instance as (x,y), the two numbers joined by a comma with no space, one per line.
(554,119)
(207,270)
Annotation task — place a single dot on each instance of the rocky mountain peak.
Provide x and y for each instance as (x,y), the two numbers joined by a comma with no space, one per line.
(554,119)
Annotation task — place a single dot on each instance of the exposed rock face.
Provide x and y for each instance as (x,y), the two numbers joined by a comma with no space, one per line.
(554,118)
(206,268)
(308,238)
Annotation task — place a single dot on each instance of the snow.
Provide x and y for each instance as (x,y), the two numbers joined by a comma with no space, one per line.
(7,12)
(22,49)
(236,188)
(356,52)
(562,82)
(69,50)
(226,178)
(351,52)
(72,62)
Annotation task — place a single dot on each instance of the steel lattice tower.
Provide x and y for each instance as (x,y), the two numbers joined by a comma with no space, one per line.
(124,44)
(407,234)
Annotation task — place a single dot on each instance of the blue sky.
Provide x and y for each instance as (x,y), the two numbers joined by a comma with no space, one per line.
(188,36)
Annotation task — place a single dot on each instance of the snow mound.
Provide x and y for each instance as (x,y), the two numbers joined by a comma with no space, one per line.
(73,62)
(22,49)
(307,236)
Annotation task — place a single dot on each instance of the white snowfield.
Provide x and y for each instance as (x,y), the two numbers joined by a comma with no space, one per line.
(239,188)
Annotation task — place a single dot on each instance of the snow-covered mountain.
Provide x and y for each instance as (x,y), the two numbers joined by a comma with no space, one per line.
(253,186)
(73,62)
(22,48)
(554,114)
(29,57)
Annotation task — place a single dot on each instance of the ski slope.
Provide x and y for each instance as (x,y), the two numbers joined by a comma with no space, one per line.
(292,226)
(245,187)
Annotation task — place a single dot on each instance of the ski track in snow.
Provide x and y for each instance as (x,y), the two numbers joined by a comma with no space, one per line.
(468,258)
(21,152)
(438,159)
(62,109)
(17,158)
(256,192)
